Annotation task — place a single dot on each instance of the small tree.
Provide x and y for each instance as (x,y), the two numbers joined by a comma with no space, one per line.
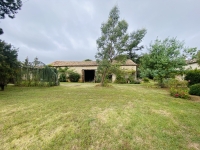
(164,58)
(113,42)
(9,65)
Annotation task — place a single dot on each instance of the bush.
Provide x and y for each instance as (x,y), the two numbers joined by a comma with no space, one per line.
(146,80)
(195,89)
(97,78)
(179,93)
(120,79)
(74,77)
(135,82)
(174,83)
(32,83)
(193,76)
(63,77)
(25,83)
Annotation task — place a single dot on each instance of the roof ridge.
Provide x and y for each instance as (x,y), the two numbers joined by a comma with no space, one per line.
(128,62)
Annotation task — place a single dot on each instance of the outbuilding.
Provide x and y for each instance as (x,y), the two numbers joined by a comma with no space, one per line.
(87,69)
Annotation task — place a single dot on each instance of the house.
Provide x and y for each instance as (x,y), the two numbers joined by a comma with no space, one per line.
(192,64)
(87,69)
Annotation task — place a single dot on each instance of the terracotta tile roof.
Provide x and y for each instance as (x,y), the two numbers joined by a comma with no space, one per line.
(83,63)
(73,63)
(191,61)
(129,62)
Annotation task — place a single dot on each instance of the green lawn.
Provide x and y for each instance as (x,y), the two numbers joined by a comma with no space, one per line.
(83,116)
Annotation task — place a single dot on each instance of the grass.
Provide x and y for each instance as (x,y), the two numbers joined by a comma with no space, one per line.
(81,116)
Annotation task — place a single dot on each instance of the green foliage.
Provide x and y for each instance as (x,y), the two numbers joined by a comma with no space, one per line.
(195,89)
(113,42)
(164,58)
(179,93)
(9,65)
(97,78)
(193,76)
(190,53)
(178,89)
(123,76)
(135,38)
(36,73)
(120,79)
(198,57)
(74,76)
(30,83)
(9,7)
(63,77)
(63,70)
(135,82)
(146,80)
(87,60)
(174,83)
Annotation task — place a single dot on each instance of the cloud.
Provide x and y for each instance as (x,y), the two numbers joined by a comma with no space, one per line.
(67,30)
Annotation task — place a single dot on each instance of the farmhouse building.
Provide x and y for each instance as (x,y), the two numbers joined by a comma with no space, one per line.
(87,69)
(192,64)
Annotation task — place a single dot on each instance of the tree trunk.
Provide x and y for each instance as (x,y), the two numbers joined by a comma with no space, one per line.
(103,77)
(161,83)
(2,87)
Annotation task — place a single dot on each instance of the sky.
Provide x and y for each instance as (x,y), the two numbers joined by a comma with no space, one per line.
(67,30)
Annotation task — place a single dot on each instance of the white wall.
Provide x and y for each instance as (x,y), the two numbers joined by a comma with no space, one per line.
(79,70)
(192,66)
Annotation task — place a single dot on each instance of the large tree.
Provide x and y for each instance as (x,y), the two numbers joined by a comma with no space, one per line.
(114,41)
(10,8)
(8,63)
(164,58)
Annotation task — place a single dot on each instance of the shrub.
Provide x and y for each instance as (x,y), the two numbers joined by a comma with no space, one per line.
(135,82)
(146,80)
(74,77)
(63,77)
(41,84)
(97,78)
(120,79)
(174,83)
(195,89)
(25,83)
(179,93)
(193,76)
(33,83)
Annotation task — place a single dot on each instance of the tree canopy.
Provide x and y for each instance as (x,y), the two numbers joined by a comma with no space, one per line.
(8,63)
(114,41)
(164,58)
(87,60)
(135,39)
(10,8)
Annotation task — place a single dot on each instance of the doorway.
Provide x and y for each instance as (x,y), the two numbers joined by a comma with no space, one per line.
(89,75)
